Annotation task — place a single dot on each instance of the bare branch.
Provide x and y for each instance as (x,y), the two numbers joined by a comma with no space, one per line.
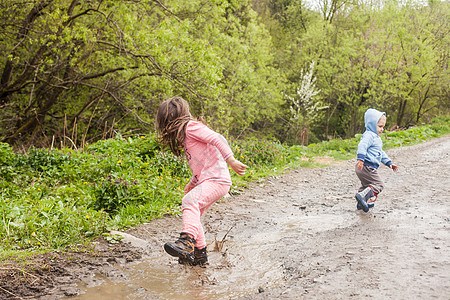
(23,31)
(105,73)
(111,94)
(159,3)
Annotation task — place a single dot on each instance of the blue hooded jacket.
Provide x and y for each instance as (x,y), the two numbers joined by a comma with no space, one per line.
(370,148)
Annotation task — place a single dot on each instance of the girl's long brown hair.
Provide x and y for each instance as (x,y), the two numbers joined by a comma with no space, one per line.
(171,121)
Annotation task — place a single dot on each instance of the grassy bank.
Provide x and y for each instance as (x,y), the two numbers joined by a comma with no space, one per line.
(54,198)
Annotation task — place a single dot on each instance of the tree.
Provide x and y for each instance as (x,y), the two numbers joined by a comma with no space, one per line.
(303,107)
(330,8)
(391,57)
(81,69)
(73,62)
(412,64)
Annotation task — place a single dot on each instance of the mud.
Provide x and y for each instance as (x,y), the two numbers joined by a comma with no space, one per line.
(297,236)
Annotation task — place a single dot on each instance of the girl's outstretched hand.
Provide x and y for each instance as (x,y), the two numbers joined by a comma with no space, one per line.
(236,165)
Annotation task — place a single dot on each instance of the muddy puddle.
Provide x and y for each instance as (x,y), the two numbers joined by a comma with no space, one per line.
(300,236)
(239,269)
(227,276)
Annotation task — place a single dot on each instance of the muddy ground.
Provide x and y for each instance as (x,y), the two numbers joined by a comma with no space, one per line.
(297,236)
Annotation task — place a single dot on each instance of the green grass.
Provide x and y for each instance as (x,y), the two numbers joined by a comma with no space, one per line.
(51,199)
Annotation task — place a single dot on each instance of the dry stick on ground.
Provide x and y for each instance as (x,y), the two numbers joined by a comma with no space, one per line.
(112,128)
(83,141)
(30,297)
(10,293)
(105,130)
(74,146)
(24,272)
(6,269)
(63,142)
(75,131)
(53,142)
(36,278)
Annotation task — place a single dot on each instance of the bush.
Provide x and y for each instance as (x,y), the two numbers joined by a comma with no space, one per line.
(113,193)
(53,198)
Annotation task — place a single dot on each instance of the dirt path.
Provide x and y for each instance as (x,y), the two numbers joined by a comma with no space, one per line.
(299,236)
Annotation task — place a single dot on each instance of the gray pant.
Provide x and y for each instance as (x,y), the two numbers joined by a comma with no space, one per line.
(369,177)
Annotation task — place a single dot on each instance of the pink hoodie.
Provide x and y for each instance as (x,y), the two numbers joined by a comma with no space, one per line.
(206,152)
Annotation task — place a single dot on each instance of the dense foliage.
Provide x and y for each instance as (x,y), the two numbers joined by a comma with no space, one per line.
(53,198)
(74,72)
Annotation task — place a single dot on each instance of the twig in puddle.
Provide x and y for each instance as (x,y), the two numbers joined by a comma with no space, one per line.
(219,245)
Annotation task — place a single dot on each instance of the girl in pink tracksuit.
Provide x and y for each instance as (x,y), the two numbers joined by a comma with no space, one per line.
(208,155)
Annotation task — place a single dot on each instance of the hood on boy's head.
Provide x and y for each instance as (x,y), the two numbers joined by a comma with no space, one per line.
(371,118)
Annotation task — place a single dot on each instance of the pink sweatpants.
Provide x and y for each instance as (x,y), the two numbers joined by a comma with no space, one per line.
(195,203)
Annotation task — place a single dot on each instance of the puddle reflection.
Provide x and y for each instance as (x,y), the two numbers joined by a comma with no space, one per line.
(226,277)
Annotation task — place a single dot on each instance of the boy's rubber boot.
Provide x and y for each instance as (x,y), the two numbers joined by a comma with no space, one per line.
(182,248)
(200,258)
(362,198)
(370,205)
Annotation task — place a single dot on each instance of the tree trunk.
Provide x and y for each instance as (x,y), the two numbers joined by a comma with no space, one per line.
(421,104)
(401,112)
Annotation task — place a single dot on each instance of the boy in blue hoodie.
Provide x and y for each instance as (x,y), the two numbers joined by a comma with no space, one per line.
(369,156)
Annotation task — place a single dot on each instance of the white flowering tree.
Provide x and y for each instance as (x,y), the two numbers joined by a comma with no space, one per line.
(303,107)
